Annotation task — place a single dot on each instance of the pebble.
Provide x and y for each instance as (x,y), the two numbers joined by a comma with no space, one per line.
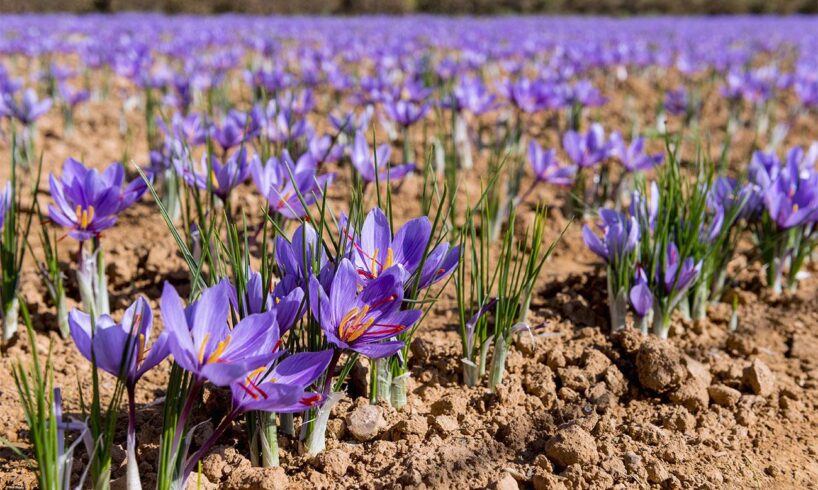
(365,422)
(572,445)
(723,395)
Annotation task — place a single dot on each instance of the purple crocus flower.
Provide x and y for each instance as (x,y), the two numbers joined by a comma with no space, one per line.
(586,150)
(203,343)
(792,198)
(87,202)
(287,307)
(440,262)
(323,149)
(362,321)
(621,233)
(677,276)
(27,110)
(282,180)
(676,101)
(298,258)
(71,97)
(470,94)
(120,348)
(221,178)
(640,295)
(633,157)
(282,389)
(405,112)
(546,168)
(375,251)
(236,128)
(363,161)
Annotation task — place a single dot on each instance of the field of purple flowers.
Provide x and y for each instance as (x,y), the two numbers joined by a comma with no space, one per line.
(418,252)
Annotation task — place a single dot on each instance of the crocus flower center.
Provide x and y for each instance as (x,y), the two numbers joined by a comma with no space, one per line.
(284,200)
(353,325)
(213,179)
(84,215)
(217,353)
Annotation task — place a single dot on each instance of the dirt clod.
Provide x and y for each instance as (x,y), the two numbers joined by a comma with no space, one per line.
(759,377)
(724,395)
(572,445)
(659,365)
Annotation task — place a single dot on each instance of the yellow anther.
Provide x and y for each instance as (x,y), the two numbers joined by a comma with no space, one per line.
(140,353)
(202,348)
(253,375)
(351,327)
(390,258)
(220,347)
(373,262)
(214,180)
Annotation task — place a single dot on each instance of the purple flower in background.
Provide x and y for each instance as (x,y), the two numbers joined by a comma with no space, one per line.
(26,110)
(323,149)
(72,97)
(203,343)
(405,112)
(792,198)
(363,161)
(120,348)
(633,157)
(87,202)
(295,259)
(678,276)
(281,181)
(362,321)
(221,178)
(640,295)
(728,195)
(586,150)
(677,101)
(236,128)
(470,94)
(546,168)
(282,389)
(620,235)
(375,250)
(585,94)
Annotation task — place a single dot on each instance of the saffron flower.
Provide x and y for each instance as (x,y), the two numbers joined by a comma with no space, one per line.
(375,251)
(440,262)
(586,150)
(282,389)
(640,295)
(405,112)
(203,343)
(677,276)
(220,177)
(546,168)
(633,157)
(362,321)
(792,198)
(27,109)
(120,348)
(621,233)
(87,202)
(282,180)
(367,166)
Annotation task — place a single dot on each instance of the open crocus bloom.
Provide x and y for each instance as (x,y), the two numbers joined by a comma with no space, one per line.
(282,389)
(547,168)
(376,251)
(586,150)
(203,343)
(621,233)
(362,321)
(285,183)
(363,161)
(87,202)
(119,348)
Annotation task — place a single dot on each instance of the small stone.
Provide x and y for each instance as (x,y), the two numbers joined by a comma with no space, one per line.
(723,395)
(572,445)
(365,422)
(760,378)
(506,482)
(659,365)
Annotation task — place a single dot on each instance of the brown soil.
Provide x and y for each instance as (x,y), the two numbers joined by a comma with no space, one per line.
(578,408)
